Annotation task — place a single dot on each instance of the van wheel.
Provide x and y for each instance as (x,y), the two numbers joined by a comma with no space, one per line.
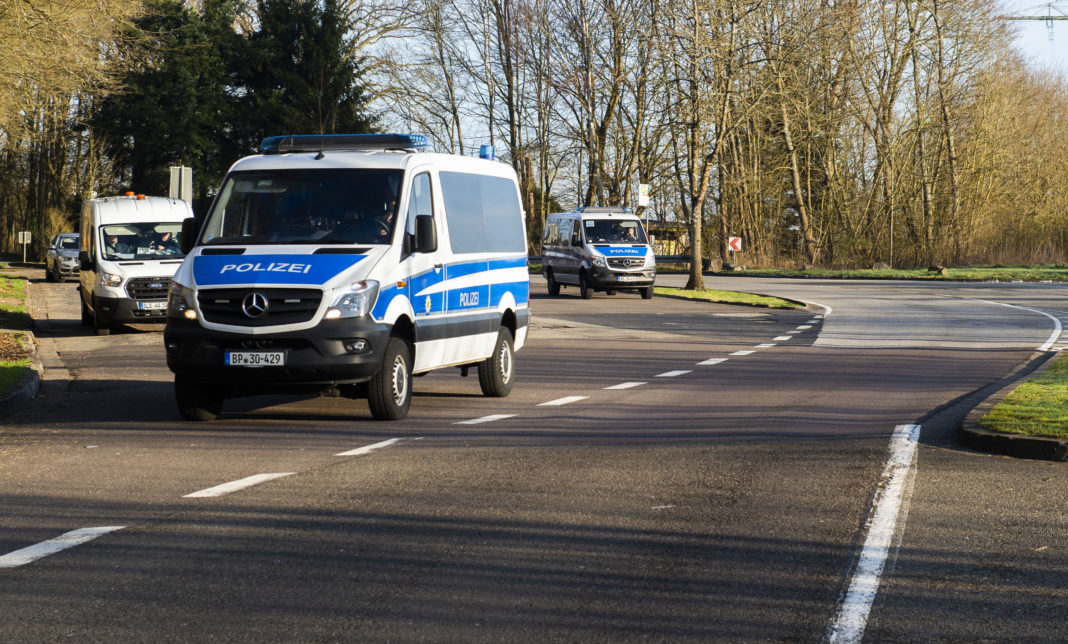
(196,401)
(87,315)
(553,285)
(647,293)
(496,373)
(101,328)
(389,393)
(585,292)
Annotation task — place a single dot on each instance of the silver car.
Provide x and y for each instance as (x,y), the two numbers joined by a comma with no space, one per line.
(61,261)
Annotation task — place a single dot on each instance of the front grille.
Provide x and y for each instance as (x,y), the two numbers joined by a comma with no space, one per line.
(626,263)
(284,305)
(148,288)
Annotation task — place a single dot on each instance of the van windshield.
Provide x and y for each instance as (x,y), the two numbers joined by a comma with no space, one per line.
(614,231)
(330,206)
(148,240)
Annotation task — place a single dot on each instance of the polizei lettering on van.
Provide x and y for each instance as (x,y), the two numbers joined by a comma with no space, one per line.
(280,267)
(222,270)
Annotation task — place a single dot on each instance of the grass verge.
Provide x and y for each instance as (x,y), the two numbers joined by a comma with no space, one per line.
(1038,407)
(731,297)
(968,273)
(14,358)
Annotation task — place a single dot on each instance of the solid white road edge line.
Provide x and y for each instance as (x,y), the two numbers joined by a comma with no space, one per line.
(52,546)
(852,615)
(367,449)
(234,486)
(627,385)
(1056,322)
(566,400)
(484,419)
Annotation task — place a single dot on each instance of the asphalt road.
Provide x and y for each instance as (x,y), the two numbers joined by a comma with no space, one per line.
(726,496)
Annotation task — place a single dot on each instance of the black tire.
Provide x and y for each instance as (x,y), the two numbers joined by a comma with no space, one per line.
(196,401)
(52,274)
(101,328)
(585,292)
(551,283)
(497,372)
(389,392)
(647,293)
(87,315)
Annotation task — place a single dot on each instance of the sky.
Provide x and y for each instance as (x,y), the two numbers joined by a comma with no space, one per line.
(1033,36)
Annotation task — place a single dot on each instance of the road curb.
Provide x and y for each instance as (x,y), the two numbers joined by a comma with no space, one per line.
(972,435)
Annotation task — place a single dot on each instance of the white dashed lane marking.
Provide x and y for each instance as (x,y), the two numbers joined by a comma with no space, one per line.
(52,546)
(711,361)
(767,345)
(566,400)
(627,385)
(782,338)
(672,374)
(484,419)
(240,484)
(367,449)
(743,353)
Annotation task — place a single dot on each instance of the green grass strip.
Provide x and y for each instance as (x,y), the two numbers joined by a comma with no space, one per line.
(1038,407)
(970,273)
(11,373)
(731,297)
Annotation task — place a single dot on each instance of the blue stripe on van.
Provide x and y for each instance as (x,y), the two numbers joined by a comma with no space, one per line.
(219,270)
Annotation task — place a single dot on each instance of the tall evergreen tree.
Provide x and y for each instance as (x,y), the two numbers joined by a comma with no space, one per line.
(177,103)
(297,75)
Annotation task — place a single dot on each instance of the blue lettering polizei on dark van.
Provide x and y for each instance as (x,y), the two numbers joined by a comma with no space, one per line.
(215,270)
(625,251)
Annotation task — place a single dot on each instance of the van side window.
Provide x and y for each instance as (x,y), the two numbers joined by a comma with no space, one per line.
(420,201)
(576,236)
(552,232)
(483,213)
(565,231)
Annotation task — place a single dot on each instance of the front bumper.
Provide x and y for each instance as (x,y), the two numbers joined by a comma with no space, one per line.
(604,278)
(113,310)
(315,356)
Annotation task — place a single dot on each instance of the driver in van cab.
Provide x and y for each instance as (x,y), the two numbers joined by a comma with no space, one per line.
(115,246)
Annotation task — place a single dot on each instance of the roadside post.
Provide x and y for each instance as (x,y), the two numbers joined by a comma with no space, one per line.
(24,239)
(181,184)
(734,245)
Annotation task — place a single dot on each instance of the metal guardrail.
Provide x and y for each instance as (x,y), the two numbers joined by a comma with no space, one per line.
(660,259)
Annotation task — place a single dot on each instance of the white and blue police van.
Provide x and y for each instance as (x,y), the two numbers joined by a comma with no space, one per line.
(347,264)
(597,249)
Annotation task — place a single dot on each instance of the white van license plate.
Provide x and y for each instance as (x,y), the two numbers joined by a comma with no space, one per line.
(152,306)
(628,278)
(255,358)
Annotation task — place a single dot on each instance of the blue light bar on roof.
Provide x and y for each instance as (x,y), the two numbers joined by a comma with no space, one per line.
(324,142)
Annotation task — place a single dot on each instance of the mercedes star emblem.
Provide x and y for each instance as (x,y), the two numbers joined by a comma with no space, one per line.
(254,305)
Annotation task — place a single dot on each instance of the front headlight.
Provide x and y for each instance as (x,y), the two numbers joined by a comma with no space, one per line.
(110,279)
(597,260)
(180,302)
(354,303)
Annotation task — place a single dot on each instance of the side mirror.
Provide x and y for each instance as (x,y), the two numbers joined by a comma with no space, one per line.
(85,261)
(426,236)
(189,234)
